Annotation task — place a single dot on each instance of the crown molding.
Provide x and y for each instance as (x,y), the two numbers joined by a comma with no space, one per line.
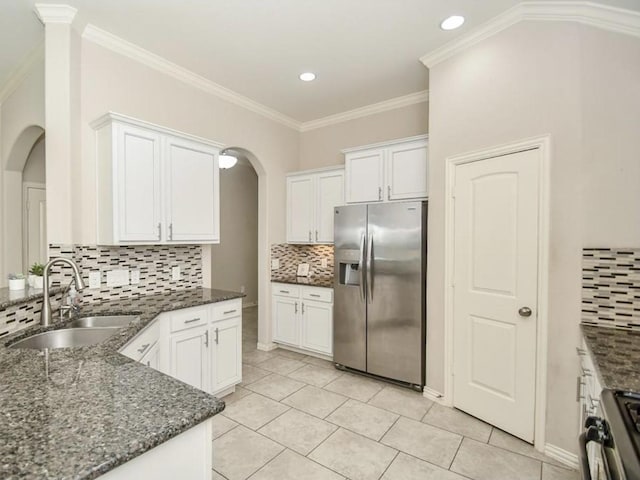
(387,143)
(367,110)
(128,49)
(48,13)
(613,19)
(17,76)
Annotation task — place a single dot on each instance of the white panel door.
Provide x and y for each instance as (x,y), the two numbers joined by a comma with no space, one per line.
(407,170)
(317,327)
(138,184)
(189,357)
(193,192)
(329,194)
(300,209)
(226,337)
(364,176)
(285,320)
(495,278)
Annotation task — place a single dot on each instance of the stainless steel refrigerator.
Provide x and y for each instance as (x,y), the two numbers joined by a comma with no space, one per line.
(380,289)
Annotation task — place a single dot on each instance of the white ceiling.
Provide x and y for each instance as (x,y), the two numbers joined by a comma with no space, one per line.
(363,51)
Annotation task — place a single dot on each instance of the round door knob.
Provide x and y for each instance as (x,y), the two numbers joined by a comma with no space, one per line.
(524,312)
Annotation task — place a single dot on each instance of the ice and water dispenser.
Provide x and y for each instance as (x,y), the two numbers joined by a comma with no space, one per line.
(348,267)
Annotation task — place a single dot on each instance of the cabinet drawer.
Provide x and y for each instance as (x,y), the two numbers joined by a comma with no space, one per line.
(227,309)
(143,342)
(318,294)
(285,290)
(189,318)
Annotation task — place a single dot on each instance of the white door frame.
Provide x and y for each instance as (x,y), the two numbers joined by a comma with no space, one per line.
(543,143)
(25,240)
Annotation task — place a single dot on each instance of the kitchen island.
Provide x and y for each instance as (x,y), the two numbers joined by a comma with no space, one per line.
(80,413)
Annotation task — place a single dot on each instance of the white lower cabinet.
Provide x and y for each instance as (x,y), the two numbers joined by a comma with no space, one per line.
(300,322)
(201,346)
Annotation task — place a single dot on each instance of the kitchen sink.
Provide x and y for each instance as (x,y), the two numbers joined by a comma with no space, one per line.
(65,338)
(117,321)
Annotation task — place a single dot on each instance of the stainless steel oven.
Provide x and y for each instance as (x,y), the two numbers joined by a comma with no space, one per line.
(610,443)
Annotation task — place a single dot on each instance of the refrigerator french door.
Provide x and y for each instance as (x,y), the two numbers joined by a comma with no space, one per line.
(380,288)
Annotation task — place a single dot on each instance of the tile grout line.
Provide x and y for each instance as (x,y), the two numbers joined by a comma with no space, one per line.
(390,463)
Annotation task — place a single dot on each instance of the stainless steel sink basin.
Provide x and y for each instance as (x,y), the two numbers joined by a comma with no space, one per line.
(103,321)
(65,338)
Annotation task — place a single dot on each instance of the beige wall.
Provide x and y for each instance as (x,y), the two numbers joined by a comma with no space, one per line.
(34,168)
(531,80)
(321,147)
(234,262)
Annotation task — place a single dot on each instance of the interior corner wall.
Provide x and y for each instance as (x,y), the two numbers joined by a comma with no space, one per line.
(321,147)
(521,83)
(234,262)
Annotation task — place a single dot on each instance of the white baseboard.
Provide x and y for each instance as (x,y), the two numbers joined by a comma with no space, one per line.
(266,347)
(434,396)
(249,305)
(563,456)
(305,352)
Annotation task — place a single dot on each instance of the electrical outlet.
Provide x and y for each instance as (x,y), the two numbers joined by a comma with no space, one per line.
(95,279)
(242,289)
(175,274)
(117,278)
(275,264)
(324,263)
(135,277)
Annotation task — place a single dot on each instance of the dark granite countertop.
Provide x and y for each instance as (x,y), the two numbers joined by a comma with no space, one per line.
(310,281)
(616,356)
(16,297)
(78,413)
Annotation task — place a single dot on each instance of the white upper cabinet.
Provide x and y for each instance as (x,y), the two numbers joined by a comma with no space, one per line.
(300,208)
(364,175)
(311,197)
(155,185)
(192,187)
(391,171)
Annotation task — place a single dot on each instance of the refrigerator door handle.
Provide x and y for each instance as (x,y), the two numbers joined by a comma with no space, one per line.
(363,293)
(370,269)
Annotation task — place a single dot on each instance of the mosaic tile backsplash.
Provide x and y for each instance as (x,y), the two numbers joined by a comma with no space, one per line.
(154,263)
(291,255)
(611,287)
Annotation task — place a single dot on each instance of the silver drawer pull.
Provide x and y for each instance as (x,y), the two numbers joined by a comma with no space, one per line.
(230,311)
(579,386)
(314,295)
(143,347)
(284,291)
(192,320)
(581,351)
(586,372)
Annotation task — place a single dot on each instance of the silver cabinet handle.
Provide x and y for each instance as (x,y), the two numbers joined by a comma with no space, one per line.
(361,268)
(284,291)
(379,193)
(143,348)
(316,235)
(309,235)
(192,320)
(303,308)
(296,307)
(171,231)
(229,311)
(217,337)
(148,363)
(388,192)
(585,371)
(370,268)
(159,231)
(314,295)
(524,312)
(206,338)
(579,386)
(581,351)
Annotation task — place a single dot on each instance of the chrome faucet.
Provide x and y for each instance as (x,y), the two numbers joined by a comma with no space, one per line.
(45,316)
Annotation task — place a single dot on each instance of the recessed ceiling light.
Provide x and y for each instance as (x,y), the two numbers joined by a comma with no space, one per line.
(307,76)
(452,22)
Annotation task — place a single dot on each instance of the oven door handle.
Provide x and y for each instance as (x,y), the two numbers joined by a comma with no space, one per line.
(585,470)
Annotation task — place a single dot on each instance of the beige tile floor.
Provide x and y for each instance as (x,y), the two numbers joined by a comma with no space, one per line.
(297,417)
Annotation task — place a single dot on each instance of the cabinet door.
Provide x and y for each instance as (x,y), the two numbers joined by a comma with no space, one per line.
(407,171)
(364,176)
(226,364)
(300,211)
(137,210)
(285,320)
(189,357)
(317,327)
(193,194)
(329,194)
(152,357)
